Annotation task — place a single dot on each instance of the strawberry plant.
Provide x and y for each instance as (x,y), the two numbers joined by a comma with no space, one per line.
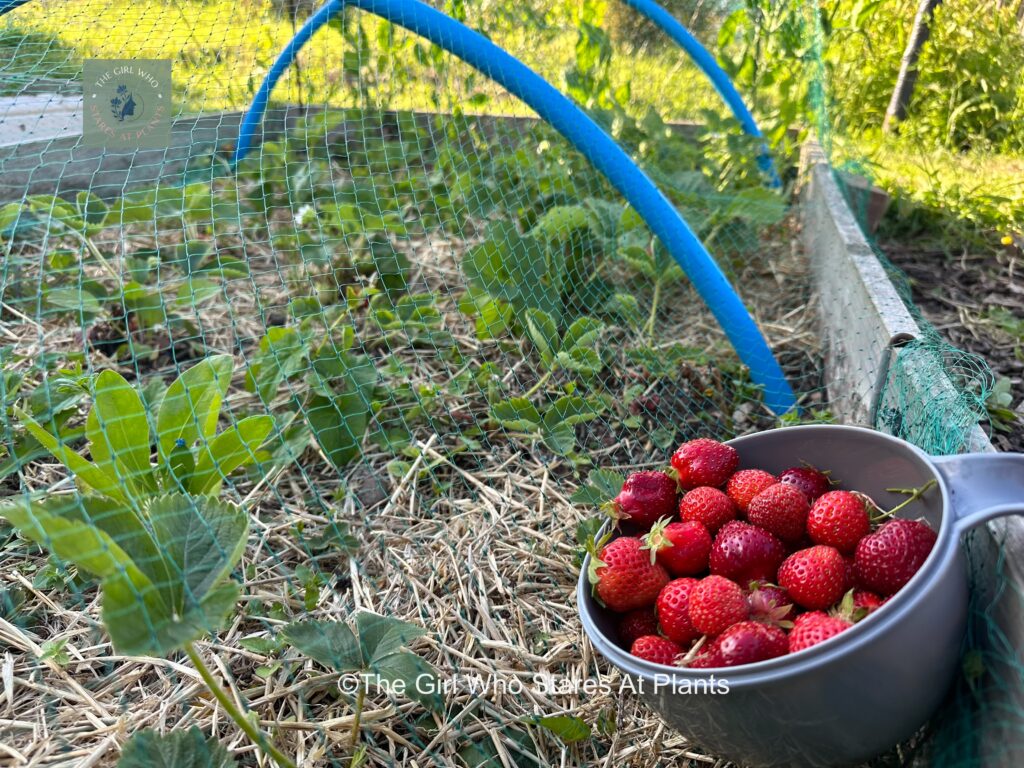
(375,653)
(330,383)
(556,427)
(177,749)
(191,456)
(574,351)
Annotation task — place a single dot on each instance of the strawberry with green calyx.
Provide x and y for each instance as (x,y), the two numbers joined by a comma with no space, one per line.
(781,510)
(682,548)
(867,601)
(623,575)
(839,519)
(673,609)
(707,506)
(771,605)
(814,577)
(645,497)
(810,481)
(704,462)
(747,643)
(888,558)
(815,627)
(656,649)
(745,553)
(746,484)
(716,603)
(637,623)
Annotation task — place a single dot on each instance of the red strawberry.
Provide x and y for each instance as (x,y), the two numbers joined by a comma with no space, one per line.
(746,553)
(812,482)
(813,628)
(749,642)
(657,649)
(704,462)
(886,560)
(867,601)
(746,484)
(636,624)
(815,577)
(673,609)
(780,509)
(770,604)
(839,519)
(707,659)
(682,548)
(716,604)
(646,497)
(624,576)
(707,506)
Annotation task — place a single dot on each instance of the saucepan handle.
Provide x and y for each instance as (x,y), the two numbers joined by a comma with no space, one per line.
(983,486)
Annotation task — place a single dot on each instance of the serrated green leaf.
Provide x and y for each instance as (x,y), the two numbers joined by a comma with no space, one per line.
(543,333)
(175,749)
(201,539)
(191,406)
(583,333)
(91,208)
(561,222)
(418,680)
(517,413)
(232,448)
(560,438)
(118,432)
(582,360)
(571,410)
(330,643)
(380,636)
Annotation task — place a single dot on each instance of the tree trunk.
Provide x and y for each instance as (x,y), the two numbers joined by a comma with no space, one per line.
(904,89)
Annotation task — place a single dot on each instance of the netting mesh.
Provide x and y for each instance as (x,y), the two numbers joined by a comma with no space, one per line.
(370,369)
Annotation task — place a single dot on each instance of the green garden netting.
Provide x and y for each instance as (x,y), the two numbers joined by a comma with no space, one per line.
(371,372)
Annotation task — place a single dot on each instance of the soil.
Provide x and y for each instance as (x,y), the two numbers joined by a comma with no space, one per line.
(975,299)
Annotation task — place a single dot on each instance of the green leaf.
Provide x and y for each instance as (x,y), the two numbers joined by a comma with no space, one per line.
(118,431)
(758,206)
(560,438)
(583,333)
(602,485)
(175,749)
(56,524)
(566,727)
(191,406)
(380,636)
(73,300)
(517,413)
(91,208)
(232,448)
(543,333)
(571,410)
(561,222)
(140,623)
(330,643)
(201,538)
(417,679)
(581,360)
(88,473)
(338,425)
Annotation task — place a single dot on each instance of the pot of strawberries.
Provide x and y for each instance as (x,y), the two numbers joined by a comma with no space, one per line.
(796,596)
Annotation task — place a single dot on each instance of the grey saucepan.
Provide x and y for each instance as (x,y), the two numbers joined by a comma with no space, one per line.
(860,693)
